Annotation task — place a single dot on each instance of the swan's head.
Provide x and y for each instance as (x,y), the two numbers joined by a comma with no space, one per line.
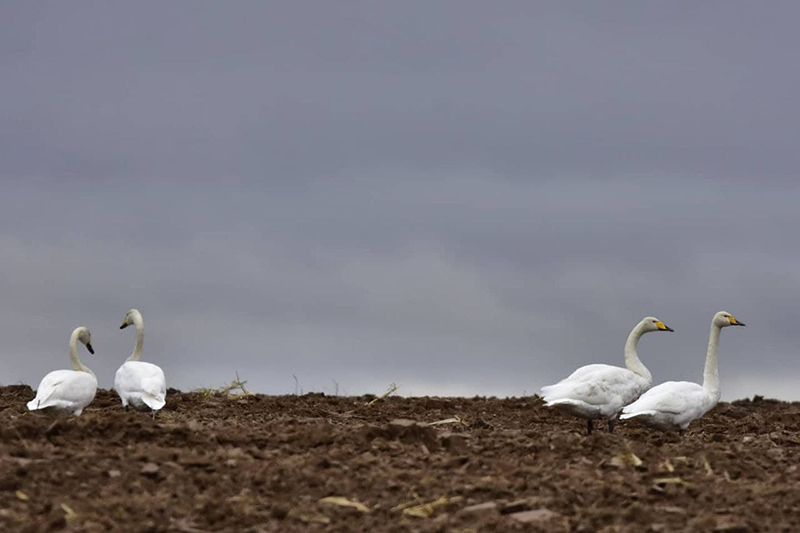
(130,318)
(651,323)
(724,319)
(86,338)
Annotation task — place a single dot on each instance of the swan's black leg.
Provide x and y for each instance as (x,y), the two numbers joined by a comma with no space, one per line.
(681,432)
(611,425)
(589,427)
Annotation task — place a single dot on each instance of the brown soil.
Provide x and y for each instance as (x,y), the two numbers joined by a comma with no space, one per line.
(263,463)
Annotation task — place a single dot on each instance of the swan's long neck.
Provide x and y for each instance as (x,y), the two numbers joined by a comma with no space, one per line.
(138,322)
(711,372)
(632,360)
(77,364)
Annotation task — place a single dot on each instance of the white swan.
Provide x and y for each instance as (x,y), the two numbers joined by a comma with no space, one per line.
(601,391)
(140,385)
(675,404)
(68,390)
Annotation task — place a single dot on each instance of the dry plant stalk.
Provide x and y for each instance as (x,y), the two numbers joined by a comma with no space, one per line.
(455,420)
(393,387)
(416,501)
(707,466)
(670,481)
(69,513)
(344,502)
(626,459)
(237,383)
(427,509)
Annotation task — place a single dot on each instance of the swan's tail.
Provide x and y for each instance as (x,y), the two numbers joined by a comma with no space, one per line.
(559,402)
(625,416)
(153,394)
(547,389)
(153,403)
(550,390)
(553,394)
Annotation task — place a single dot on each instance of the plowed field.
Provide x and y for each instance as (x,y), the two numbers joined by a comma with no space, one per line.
(267,463)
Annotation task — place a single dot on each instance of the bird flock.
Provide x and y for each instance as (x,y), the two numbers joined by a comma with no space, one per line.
(141,386)
(610,392)
(592,392)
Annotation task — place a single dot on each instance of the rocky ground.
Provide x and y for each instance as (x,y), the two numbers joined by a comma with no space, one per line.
(322,463)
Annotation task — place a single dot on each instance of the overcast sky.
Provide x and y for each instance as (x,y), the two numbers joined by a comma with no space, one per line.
(460,197)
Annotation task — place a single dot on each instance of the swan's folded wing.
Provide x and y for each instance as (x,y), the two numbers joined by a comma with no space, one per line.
(52,387)
(601,390)
(599,385)
(133,375)
(578,377)
(143,380)
(590,371)
(47,387)
(63,388)
(673,397)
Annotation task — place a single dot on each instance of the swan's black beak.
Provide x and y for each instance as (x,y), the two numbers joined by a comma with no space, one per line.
(89,347)
(667,328)
(123,326)
(738,323)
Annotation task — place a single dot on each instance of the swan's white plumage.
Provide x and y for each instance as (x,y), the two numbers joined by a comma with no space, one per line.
(68,390)
(65,390)
(675,404)
(140,385)
(601,391)
(596,391)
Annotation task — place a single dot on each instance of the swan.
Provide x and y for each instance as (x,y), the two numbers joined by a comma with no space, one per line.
(601,391)
(68,390)
(140,385)
(675,404)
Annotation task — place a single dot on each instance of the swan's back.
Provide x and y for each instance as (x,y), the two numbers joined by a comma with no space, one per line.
(65,390)
(141,385)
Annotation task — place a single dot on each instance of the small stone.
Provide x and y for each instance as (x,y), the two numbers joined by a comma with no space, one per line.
(441,519)
(150,470)
(480,508)
(728,526)
(402,423)
(671,509)
(537,515)
(114,473)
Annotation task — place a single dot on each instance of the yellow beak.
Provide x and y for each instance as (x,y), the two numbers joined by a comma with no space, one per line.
(734,322)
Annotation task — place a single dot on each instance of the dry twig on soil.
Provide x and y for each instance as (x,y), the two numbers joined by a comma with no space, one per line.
(236,384)
(393,387)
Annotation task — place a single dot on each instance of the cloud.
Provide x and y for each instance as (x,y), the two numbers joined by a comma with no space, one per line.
(479,200)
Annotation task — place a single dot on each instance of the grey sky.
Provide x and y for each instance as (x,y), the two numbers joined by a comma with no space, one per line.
(460,197)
